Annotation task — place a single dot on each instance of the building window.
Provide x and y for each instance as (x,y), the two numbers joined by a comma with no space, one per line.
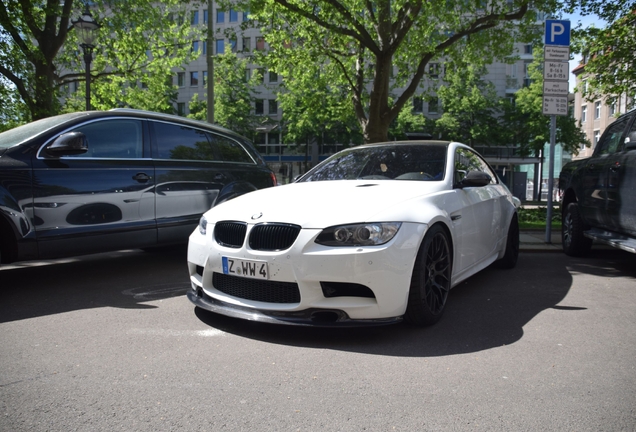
(261,75)
(181,79)
(273,77)
(220,46)
(597,110)
(527,49)
(433,106)
(597,135)
(258,106)
(246,16)
(260,44)
(205,78)
(247,44)
(418,104)
(584,114)
(220,16)
(181,108)
(204,47)
(273,106)
(433,70)
(233,45)
(195,46)
(194,79)
(612,108)
(233,15)
(194,18)
(248,74)
(205,16)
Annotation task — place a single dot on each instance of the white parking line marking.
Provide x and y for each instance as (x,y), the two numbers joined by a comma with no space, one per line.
(178,333)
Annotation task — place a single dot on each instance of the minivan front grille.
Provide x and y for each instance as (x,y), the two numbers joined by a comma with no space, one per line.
(273,236)
(230,234)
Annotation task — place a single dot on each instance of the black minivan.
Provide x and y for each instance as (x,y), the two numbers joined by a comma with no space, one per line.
(99,181)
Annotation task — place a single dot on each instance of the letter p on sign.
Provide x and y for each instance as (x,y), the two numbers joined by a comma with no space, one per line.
(557,32)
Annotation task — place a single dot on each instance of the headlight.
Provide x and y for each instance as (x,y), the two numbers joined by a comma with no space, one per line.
(366,234)
(203,225)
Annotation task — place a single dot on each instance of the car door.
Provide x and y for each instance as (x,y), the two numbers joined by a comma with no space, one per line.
(621,193)
(479,219)
(193,166)
(596,180)
(99,200)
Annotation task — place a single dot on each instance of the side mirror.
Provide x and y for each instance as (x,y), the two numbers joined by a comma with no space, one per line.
(474,179)
(70,143)
(630,141)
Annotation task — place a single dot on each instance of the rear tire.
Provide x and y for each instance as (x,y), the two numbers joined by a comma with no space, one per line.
(572,238)
(509,260)
(431,280)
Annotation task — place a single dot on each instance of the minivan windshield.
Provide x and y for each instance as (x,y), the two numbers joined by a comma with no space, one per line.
(22,133)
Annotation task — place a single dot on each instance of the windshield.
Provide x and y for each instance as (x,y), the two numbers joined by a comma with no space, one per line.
(22,133)
(424,162)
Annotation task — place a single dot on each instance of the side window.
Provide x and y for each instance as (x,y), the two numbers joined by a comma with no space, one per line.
(467,160)
(113,139)
(611,139)
(182,142)
(229,150)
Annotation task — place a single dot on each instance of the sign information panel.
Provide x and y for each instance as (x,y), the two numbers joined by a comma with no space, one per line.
(555,105)
(556,69)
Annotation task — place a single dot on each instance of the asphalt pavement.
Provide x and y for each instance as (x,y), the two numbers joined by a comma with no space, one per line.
(535,241)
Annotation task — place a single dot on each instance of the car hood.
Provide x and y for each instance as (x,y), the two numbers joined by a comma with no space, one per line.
(325,203)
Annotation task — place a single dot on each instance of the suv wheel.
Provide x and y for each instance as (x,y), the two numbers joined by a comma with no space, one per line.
(572,238)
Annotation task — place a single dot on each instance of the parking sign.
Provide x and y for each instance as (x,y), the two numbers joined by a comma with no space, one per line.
(557,32)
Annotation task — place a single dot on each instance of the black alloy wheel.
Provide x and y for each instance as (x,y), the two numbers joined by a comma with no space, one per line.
(431,280)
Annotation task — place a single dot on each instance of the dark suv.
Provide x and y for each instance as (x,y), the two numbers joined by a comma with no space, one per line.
(95,181)
(599,193)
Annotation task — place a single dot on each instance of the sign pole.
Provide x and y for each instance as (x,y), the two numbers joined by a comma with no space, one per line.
(556,54)
(548,222)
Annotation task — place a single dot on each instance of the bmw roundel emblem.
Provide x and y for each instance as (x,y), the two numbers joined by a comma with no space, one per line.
(257,216)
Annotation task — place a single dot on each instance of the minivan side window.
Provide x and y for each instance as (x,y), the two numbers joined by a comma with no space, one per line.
(183,143)
(113,139)
(229,150)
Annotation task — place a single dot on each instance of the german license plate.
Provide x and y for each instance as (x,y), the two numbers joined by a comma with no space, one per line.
(245,268)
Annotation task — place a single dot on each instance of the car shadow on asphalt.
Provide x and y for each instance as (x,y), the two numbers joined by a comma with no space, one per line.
(486,311)
(123,279)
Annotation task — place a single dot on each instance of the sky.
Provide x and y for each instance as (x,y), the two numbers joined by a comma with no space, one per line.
(587,21)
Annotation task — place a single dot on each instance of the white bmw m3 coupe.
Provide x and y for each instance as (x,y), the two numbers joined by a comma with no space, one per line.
(373,235)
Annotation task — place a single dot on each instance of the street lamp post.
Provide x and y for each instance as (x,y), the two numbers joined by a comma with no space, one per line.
(86,28)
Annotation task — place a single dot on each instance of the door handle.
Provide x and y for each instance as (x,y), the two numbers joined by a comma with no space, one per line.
(141,177)
(615,167)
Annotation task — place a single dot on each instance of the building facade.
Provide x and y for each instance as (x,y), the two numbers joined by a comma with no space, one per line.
(596,115)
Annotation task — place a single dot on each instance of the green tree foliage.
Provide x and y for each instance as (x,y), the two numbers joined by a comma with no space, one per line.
(469,105)
(409,121)
(378,51)
(138,44)
(610,69)
(316,106)
(528,123)
(233,96)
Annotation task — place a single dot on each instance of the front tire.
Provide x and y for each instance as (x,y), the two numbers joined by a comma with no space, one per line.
(572,238)
(431,280)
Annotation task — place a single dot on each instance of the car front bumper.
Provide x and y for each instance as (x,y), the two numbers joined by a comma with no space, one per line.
(383,272)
